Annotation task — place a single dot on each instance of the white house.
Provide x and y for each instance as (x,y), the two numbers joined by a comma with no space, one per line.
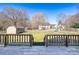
(59,27)
(14,30)
(44,27)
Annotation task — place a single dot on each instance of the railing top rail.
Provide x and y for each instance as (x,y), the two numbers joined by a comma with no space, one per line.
(18,34)
(61,34)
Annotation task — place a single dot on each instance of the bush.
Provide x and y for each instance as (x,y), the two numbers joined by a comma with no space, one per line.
(75,25)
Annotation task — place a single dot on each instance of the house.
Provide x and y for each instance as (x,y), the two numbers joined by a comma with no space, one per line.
(44,27)
(53,27)
(47,27)
(60,27)
(14,30)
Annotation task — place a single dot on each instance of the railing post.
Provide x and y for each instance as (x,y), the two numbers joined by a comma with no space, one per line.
(46,41)
(5,41)
(30,40)
(78,40)
(0,39)
(66,41)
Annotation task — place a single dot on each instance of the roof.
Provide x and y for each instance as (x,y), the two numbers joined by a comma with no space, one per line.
(20,27)
(17,26)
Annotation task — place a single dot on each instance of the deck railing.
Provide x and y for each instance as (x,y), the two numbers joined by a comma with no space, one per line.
(27,39)
(16,39)
(61,40)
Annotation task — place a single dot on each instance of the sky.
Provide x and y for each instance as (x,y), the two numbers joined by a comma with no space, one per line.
(51,10)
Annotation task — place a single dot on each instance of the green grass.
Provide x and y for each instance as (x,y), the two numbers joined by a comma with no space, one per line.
(39,34)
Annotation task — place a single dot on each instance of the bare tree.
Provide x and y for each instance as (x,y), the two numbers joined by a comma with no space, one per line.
(11,16)
(17,15)
(72,19)
(61,18)
(4,21)
(38,19)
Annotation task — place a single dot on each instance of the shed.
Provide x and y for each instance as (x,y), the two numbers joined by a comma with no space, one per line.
(14,30)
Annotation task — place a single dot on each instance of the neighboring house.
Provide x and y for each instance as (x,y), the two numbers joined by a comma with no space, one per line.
(47,27)
(44,27)
(52,26)
(60,27)
(14,30)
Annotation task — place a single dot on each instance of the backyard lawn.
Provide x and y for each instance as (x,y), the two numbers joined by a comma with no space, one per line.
(39,34)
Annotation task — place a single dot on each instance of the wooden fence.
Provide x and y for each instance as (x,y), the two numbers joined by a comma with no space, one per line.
(49,40)
(61,40)
(16,39)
